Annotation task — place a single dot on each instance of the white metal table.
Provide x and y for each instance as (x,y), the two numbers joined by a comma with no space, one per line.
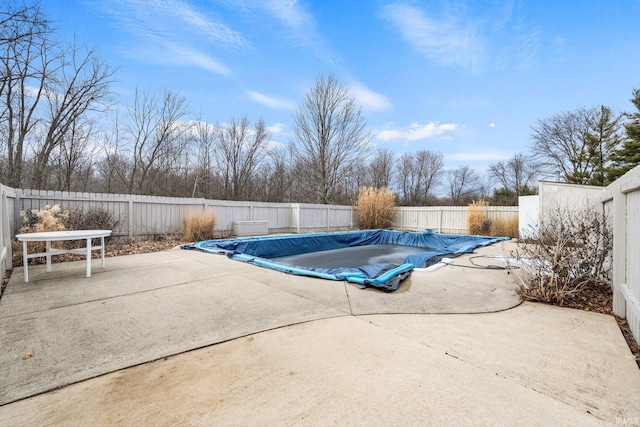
(55,236)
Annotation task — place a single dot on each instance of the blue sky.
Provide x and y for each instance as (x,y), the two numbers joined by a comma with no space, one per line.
(467,79)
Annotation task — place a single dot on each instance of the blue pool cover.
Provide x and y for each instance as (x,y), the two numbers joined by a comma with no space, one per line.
(264,251)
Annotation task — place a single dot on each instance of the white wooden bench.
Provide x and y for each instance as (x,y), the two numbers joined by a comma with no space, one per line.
(56,236)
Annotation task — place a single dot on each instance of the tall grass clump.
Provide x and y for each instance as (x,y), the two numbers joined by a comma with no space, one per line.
(505,227)
(376,207)
(49,218)
(198,226)
(477,220)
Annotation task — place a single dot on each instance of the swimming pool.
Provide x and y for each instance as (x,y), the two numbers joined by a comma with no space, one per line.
(373,258)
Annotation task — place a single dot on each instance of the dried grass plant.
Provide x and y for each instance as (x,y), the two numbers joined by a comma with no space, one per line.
(477,220)
(376,208)
(49,218)
(505,227)
(198,226)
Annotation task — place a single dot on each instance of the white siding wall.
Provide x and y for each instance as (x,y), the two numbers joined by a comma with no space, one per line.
(567,197)
(528,216)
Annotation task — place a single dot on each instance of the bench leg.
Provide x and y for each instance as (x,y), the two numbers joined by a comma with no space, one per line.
(88,257)
(102,247)
(25,262)
(48,246)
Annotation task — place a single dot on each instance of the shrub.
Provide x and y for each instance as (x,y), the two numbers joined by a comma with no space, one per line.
(96,218)
(505,227)
(199,226)
(477,220)
(569,257)
(376,207)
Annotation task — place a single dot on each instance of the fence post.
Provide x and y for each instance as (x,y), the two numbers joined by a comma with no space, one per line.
(351,218)
(619,211)
(328,215)
(619,252)
(130,217)
(295,216)
(5,233)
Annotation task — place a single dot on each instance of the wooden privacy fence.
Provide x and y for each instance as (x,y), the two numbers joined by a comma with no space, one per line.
(150,215)
(445,219)
(141,216)
(7,198)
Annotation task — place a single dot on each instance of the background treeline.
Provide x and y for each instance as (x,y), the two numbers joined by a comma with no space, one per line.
(59,130)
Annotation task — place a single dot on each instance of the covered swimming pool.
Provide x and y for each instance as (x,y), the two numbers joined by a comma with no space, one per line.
(373,258)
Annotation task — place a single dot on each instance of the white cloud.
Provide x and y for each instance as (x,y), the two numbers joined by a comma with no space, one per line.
(276,128)
(415,132)
(300,28)
(492,125)
(369,99)
(185,55)
(171,19)
(168,31)
(271,102)
(291,13)
(450,40)
(484,156)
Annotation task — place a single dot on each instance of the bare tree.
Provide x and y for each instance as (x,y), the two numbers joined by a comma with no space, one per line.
(461,182)
(239,152)
(24,40)
(279,177)
(73,159)
(381,168)
(81,86)
(577,143)
(153,136)
(418,174)
(44,89)
(517,175)
(204,140)
(330,134)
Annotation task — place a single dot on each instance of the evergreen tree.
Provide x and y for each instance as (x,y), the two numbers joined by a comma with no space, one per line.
(602,139)
(628,156)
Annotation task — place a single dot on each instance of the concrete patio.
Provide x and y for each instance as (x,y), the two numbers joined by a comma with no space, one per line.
(184,337)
